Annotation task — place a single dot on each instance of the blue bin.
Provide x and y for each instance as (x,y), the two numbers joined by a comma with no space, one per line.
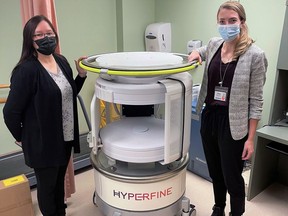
(197,163)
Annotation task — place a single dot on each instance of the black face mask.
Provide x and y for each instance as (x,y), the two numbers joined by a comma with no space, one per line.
(47,45)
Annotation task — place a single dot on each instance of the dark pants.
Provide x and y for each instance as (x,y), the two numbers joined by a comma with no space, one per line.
(223,155)
(50,188)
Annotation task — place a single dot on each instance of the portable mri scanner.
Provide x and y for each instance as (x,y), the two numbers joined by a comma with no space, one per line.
(140,160)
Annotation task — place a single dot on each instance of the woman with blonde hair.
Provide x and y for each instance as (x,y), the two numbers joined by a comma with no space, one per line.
(232,90)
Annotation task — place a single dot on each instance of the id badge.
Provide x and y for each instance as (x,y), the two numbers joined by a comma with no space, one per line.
(220,93)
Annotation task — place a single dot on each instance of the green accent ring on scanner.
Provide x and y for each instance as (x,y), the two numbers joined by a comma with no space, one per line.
(87,65)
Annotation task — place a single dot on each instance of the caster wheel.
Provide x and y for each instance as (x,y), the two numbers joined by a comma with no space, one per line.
(192,212)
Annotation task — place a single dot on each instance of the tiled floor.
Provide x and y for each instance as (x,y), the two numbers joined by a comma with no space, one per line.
(272,202)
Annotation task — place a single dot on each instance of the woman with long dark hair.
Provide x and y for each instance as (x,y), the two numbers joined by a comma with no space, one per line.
(41,111)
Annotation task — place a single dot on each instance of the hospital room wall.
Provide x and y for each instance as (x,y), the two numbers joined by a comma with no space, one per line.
(10,50)
(197,20)
(137,14)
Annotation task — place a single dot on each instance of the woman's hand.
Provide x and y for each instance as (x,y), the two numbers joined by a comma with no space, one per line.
(249,144)
(248,150)
(81,71)
(195,56)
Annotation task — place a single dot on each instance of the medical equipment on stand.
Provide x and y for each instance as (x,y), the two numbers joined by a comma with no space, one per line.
(140,160)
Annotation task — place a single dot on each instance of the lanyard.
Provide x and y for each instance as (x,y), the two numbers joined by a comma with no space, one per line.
(220,74)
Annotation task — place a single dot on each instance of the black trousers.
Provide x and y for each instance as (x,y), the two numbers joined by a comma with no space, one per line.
(50,188)
(223,155)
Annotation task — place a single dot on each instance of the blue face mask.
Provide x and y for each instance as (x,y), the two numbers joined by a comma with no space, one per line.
(229,32)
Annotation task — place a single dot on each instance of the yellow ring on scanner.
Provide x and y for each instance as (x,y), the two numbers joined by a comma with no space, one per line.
(138,71)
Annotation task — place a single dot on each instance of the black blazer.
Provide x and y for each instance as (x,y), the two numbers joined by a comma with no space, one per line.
(33,112)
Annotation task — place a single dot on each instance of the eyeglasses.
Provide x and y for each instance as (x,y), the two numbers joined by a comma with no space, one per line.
(42,35)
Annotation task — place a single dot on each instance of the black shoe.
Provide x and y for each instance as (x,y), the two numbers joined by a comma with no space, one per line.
(217,211)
